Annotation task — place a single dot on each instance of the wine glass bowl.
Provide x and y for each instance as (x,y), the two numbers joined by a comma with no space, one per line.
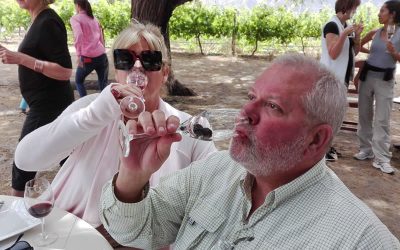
(132,106)
(352,22)
(209,125)
(391,28)
(39,201)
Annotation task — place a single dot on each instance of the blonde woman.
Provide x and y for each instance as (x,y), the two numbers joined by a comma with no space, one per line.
(88,129)
(340,42)
(44,69)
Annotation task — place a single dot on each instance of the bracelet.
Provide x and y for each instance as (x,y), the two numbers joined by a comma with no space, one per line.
(39,65)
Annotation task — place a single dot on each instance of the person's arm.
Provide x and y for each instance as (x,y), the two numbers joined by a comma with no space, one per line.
(78,35)
(53,49)
(335,42)
(102,38)
(126,197)
(357,38)
(49,69)
(365,40)
(85,118)
(393,51)
(146,155)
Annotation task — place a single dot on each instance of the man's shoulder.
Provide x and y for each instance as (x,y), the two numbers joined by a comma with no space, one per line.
(330,214)
(346,212)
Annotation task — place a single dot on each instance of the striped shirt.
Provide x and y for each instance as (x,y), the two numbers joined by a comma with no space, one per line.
(207,204)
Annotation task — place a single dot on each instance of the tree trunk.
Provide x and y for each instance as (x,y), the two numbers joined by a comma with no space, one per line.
(255,49)
(303,45)
(199,43)
(158,12)
(234,34)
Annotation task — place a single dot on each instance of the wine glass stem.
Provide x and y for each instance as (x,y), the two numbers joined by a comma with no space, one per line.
(44,235)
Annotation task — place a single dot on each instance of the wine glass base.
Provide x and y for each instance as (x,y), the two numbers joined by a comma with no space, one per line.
(41,241)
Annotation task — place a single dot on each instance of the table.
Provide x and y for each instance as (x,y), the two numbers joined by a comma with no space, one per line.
(73,232)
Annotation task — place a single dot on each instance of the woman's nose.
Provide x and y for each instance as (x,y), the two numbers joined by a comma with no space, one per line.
(137,63)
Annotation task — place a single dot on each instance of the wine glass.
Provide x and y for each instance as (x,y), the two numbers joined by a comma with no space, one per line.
(132,106)
(390,30)
(352,22)
(39,200)
(208,125)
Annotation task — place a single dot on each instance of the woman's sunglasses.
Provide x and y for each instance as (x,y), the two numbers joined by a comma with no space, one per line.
(125,59)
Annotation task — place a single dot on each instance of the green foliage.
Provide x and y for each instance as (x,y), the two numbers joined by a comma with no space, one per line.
(249,29)
(114,17)
(12,17)
(65,9)
(284,25)
(257,24)
(193,20)
(224,23)
(368,15)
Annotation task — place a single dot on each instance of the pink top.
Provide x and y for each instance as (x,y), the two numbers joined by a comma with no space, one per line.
(88,132)
(89,40)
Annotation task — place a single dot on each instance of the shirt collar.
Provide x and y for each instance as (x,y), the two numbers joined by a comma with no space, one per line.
(285,192)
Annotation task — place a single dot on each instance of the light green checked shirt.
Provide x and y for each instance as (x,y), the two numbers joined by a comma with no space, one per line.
(208,203)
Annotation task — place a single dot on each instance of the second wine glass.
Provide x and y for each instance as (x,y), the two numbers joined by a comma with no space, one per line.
(208,125)
(39,201)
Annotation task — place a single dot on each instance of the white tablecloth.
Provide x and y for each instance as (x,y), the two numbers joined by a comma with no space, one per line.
(73,232)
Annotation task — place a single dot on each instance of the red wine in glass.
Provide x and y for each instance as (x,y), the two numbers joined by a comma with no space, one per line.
(39,200)
(40,210)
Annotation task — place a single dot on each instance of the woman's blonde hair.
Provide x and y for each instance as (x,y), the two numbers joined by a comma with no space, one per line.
(149,32)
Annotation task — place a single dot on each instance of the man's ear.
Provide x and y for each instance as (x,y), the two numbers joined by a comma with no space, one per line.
(319,140)
(165,71)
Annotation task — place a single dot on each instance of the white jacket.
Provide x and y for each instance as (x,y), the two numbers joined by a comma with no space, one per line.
(88,132)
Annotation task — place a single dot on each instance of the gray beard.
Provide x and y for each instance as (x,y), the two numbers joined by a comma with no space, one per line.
(271,159)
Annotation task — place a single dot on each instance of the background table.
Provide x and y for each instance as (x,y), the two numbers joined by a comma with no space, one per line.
(73,232)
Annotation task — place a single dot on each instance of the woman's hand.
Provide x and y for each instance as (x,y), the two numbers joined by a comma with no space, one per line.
(390,48)
(10,57)
(120,91)
(349,29)
(358,28)
(79,62)
(146,154)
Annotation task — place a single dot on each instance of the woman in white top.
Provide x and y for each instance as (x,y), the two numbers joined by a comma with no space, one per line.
(340,43)
(88,131)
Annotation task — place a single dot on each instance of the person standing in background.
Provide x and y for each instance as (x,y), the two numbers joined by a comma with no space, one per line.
(90,46)
(44,69)
(340,43)
(377,83)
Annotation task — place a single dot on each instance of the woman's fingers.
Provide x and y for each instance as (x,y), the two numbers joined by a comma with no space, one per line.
(120,91)
(157,124)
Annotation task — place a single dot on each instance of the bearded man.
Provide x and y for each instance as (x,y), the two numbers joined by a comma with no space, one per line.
(272,190)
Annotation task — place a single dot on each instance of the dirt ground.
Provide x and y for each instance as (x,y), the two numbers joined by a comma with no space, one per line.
(223,82)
